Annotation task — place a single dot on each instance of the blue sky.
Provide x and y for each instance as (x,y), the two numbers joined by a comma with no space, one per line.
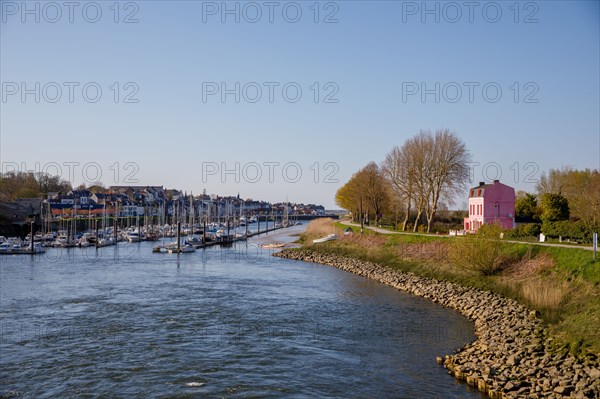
(181,135)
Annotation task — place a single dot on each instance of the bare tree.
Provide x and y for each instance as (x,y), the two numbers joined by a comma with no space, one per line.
(448,171)
(427,168)
(420,151)
(397,170)
(553,182)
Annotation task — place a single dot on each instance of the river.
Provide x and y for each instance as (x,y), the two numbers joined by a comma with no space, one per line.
(125,322)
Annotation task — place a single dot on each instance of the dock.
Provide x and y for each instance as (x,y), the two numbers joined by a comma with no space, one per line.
(226,240)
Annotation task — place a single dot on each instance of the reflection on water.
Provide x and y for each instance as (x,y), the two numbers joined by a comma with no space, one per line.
(236,322)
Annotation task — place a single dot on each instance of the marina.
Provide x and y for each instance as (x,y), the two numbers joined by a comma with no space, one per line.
(176,222)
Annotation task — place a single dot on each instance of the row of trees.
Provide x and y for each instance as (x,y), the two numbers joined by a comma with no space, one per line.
(561,195)
(551,208)
(580,188)
(412,180)
(567,204)
(15,185)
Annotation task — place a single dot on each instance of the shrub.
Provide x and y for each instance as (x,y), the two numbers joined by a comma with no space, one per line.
(482,252)
(524,230)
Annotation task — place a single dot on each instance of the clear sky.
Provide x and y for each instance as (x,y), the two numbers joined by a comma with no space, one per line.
(369,74)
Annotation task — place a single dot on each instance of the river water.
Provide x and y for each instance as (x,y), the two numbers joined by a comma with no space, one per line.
(236,322)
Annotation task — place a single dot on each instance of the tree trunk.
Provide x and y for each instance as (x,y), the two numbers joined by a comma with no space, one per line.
(431,213)
(407,216)
(419,213)
(405,222)
(362,220)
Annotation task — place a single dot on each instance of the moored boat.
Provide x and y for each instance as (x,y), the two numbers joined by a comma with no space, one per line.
(182,249)
(273,245)
(134,236)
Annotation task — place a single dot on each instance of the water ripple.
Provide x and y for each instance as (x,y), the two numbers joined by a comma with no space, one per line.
(158,326)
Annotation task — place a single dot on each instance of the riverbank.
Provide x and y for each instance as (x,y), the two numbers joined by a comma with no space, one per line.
(562,284)
(512,356)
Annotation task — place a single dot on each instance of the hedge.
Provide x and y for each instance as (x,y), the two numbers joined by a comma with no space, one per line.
(574,230)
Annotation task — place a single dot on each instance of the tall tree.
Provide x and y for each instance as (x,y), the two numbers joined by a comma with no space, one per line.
(374,186)
(552,182)
(351,197)
(365,193)
(420,151)
(448,173)
(397,170)
(526,207)
(554,207)
(29,185)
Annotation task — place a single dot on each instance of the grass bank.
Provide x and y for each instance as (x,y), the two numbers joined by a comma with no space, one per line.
(562,284)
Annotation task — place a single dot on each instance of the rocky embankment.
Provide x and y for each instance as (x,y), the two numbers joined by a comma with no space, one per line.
(509,359)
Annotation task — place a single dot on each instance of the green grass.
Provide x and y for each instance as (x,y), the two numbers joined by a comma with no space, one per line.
(572,320)
(575,263)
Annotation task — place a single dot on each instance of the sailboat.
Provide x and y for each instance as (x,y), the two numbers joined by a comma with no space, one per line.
(176,247)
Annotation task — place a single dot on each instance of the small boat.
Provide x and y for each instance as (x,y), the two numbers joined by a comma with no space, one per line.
(37,248)
(172,249)
(26,249)
(330,237)
(105,242)
(158,249)
(48,237)
(194,241)
(151,236)
(83,242)
(187,248)
(6,248)
(134,236)
(63,241)
(273,245)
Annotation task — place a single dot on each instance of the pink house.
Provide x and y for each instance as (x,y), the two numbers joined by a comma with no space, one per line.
(491,203)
